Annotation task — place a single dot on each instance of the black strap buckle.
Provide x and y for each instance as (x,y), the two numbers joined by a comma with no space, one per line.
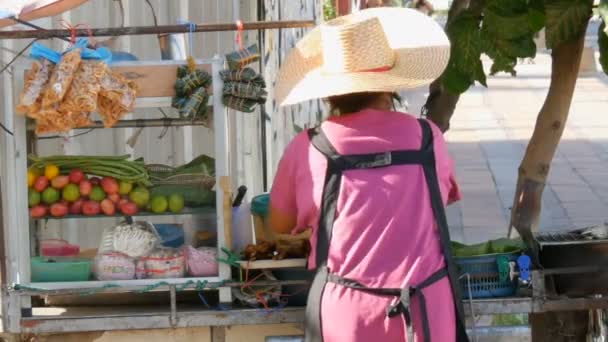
(402,306)
(381,160)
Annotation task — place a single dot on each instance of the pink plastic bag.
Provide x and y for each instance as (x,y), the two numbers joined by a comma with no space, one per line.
(202,262)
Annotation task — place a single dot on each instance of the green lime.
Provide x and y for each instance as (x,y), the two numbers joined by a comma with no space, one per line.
(97,194)
(176,203)
(71,192)
(140,196)
(159,204)
(50,195)
(33,197)
(124,188)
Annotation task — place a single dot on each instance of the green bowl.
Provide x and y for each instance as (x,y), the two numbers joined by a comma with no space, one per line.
(60,269)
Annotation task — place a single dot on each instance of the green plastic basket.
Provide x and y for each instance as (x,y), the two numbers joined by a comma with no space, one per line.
(60,269)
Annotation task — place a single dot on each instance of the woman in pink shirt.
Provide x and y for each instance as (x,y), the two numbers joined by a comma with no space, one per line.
(372,183)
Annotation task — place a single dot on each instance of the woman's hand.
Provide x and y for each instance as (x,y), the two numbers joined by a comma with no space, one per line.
(279,222)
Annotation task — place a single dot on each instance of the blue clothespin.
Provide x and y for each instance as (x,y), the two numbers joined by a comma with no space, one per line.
(523,263)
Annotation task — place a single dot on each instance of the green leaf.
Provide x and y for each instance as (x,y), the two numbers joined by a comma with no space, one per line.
(518,48)
(507,7)
(566,20)
(454,81)
(602,40)
(507,27)
(464,34)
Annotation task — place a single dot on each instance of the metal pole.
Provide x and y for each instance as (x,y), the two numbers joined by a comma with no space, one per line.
(137,123)
(144,30)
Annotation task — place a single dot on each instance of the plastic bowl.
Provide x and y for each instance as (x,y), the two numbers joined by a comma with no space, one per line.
(60,269)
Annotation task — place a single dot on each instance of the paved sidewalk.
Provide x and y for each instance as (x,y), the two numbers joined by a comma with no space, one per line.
(488,137)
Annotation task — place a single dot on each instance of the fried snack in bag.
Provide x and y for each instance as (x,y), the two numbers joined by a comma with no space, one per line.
(116,97)
(35,80)
(54,121)
(83,93)
(61,79)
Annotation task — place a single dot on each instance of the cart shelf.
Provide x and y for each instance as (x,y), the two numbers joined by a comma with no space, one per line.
(186,211)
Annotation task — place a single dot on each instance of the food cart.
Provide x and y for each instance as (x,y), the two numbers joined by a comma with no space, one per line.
(220,320)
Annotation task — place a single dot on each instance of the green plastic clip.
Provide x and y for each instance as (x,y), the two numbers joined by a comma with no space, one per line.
(503,268)
(232,259)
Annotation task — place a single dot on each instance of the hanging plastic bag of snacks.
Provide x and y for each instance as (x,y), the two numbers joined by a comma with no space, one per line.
(164,263)
(83,93)
(61,79)
(35,81)
(116,97)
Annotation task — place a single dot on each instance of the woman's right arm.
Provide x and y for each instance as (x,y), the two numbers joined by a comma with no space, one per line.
(283,206)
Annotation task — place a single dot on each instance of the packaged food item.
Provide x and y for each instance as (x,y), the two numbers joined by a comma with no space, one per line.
(83,93)
(55,121)
(135,240)
(246,90)
(116,97)
(196,105)
(61,79)
(186,85)
(164,262)
(240,58)
(114,266)
(35,81)
(202,261)
(242,75)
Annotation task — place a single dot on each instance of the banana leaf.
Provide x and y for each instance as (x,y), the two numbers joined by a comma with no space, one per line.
(240,58)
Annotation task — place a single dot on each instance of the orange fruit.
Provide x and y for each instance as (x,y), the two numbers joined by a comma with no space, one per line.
(51,171)
(31,178)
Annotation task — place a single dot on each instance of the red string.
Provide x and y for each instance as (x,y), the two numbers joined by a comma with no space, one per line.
(239,33)
(74,30)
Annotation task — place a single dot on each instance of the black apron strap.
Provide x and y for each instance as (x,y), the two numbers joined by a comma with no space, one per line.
(329,201)
(432,180)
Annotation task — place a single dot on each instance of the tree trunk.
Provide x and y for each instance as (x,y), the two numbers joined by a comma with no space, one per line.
(440,105)
(533,172)
(548,130)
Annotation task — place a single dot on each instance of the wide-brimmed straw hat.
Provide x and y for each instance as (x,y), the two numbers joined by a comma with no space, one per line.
(374,50)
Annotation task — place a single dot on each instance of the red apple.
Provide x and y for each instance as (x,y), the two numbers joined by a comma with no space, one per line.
(107,207)
(41,183)
(76,207)
(76,176)
(115,198)
(91,208)
(109,185)
(95,180)
(59,210)
(128,208)
(38,211)
(85,188)
(60,182)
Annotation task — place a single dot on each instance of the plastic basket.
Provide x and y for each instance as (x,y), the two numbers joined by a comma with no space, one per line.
(60,269)
(484,278)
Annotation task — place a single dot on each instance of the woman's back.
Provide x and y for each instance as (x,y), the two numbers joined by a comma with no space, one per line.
(384,234)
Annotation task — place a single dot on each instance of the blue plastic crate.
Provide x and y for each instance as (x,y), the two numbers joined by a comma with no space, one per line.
(485,280)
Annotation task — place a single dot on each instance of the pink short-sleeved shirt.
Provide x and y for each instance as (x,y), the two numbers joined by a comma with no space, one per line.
(384,233)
